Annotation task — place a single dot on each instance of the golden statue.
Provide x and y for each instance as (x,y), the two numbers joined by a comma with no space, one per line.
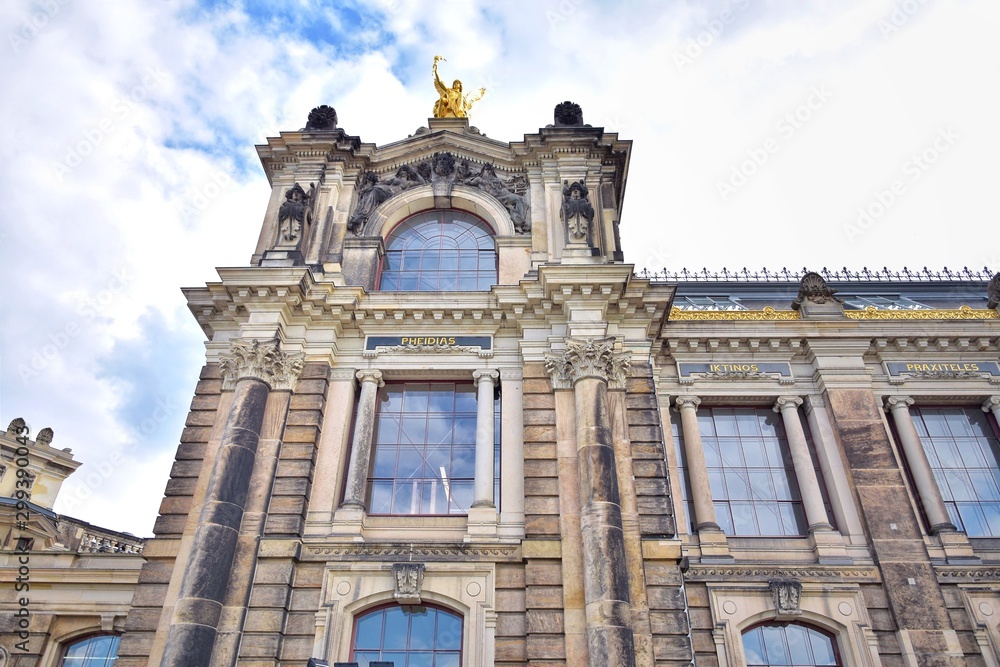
(452,103)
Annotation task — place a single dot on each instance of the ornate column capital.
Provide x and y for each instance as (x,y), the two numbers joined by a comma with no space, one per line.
(787,402)
(588,357)
(262,360)
(487,374)
(898,402)
(370,375)
(992,403)
(682,402)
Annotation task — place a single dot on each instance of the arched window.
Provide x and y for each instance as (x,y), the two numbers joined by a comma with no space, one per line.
(789,644)
(100,651)
(412,636)
(442,250)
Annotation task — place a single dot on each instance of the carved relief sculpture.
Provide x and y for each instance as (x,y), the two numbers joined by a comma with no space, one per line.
(372,193)
(588,357)
(488,181)
(451,102)
(787,594)
(993,292)
(814,288)
(44,437)
(295,212)
(408,578)
(577,212)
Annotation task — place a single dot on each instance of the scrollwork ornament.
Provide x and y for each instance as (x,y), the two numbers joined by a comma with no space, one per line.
(262,360)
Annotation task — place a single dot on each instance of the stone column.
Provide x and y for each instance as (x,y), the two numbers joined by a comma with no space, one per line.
(361,450)
(992,404)
(920,468)
(485,438)
(252,369)
(701,490)
(805,473)
(588,364)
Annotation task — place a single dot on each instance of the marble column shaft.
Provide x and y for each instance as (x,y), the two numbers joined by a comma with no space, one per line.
(196,614)
(588,363)
(920,467)
(361,449)
(805,472)
(701,489)
(485,438)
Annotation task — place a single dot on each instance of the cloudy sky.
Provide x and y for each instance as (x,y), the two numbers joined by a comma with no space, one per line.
(766,133)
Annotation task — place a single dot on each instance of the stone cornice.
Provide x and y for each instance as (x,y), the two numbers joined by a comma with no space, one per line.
(262,360)
(764,573)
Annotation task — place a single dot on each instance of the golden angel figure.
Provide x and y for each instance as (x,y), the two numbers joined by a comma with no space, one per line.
(451,102)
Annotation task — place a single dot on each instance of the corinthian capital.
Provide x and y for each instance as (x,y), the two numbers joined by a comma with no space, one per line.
(262,360)
(588,357)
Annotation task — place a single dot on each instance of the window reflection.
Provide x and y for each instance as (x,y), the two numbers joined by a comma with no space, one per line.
(789,644)
(412,636)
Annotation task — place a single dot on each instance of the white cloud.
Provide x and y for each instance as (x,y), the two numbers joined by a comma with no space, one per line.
(169,187)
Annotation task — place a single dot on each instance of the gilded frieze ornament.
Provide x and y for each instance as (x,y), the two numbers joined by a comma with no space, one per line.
(962,313)
(768,313)
(263,360)
(452,103)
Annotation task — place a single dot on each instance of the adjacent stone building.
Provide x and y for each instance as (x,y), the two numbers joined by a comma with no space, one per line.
(443,422)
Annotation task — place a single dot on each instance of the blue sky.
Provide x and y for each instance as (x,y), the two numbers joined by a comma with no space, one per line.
(766,133)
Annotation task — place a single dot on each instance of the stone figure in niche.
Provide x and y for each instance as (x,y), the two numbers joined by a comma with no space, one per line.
(322,119)
(373,192)
(568,114)
(295,212)
(576,211)
(451,102)
(814,288)
(993,292)
(488,181)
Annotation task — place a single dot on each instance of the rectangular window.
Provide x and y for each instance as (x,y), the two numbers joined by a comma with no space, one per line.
(708,303)
(964,453)
(750,471)
(882,302)
(424,449)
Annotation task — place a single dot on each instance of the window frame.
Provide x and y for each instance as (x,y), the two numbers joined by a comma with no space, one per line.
(442,216)
(923,434)
(360,614)
(784,624)
(371,478)
(68,644)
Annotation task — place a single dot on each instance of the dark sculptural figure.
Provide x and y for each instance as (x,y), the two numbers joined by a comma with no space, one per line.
(993,292)
(488,181)
(568,114)
(814,288)
(295,211)
(373,192)
(576,211)
(322,119)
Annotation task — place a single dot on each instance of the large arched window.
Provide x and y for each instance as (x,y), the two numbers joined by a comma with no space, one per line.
(100,651)
(789,644)
(443,250)
(412,636)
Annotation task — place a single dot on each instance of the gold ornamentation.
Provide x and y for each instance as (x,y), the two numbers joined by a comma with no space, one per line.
(451,102)
(963,313)
(717,315)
